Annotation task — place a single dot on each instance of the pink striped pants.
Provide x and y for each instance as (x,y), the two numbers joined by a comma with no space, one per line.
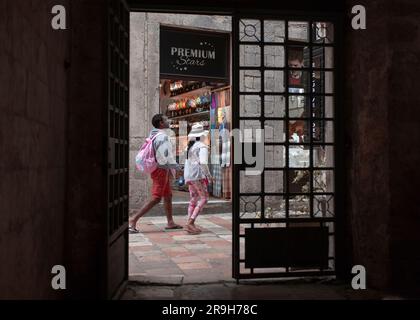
(198,197)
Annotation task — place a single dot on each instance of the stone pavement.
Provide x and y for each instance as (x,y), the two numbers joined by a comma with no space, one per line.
(171,264)
(301,289)
(157,255)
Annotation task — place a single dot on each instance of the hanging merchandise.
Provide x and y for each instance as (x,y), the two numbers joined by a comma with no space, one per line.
(226,183)
(213,101)
(224,133)
(217,175)
(225,153)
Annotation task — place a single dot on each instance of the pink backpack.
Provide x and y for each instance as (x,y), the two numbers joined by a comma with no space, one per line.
(145,158)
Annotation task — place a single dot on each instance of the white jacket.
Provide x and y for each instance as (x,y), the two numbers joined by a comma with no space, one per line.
(163,149)
(196,165)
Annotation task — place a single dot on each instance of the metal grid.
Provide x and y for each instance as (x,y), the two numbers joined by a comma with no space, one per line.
(249,31)
(118,125)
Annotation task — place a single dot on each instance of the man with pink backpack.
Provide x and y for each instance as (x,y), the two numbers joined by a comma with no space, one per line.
(156,158)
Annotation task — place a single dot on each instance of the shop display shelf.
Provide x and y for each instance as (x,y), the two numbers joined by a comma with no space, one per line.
(202,113)
(192,93)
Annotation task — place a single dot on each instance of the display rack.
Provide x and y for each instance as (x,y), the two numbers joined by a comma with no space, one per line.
(202,113)
(195,92)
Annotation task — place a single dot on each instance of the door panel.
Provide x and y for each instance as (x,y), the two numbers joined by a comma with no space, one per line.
(284,212)
(118,126)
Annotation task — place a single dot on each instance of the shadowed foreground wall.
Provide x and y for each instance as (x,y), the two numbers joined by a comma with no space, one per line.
(33,144)
(382,117)
(51,116)
(86,220)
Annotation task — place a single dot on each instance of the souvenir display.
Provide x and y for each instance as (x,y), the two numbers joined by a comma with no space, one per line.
(208,104)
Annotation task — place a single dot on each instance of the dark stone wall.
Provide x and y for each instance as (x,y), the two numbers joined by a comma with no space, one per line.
(33,140)
(366,76)
(404,144)
(382,139)
(52,146)
(252,6)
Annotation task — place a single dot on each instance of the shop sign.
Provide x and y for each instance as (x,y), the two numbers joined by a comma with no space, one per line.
(194,54)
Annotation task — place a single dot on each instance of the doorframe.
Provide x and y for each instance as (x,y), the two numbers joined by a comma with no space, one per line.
(308,11)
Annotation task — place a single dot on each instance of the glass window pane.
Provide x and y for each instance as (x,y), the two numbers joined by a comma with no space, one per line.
(274,131)
(298,81)
(274,56)
(298,31)
(275,207)
(299,181)
(322,32)
(250,81)
(274,31)
(323,156)
(252,143)
(299,207)
(274,156)
(298,131)
(249,30)
(273,81)
(249,129)
(298,107)
(250,207)
(323,181)
(329,107)
(273,181)
(274,106)
(323,131)
(249,55)
(250,106)
(323,206)
(299,157)
(249,183)
(298,57)
(323,57)
(322,107)
(322,82)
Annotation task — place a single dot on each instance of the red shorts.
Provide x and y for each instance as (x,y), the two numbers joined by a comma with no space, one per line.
(161,183)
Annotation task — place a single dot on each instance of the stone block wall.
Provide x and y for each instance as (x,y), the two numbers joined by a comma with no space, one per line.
(33,142)
(382,134)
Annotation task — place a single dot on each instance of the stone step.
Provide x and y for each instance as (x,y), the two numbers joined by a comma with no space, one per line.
(180,208)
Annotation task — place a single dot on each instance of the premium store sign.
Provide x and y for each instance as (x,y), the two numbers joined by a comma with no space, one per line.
(193,54)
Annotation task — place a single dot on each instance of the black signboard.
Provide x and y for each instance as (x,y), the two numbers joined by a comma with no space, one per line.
(193,54)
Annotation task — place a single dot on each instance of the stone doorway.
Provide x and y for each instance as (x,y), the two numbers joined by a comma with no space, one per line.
(157,255)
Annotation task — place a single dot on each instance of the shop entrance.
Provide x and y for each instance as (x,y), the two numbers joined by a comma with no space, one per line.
(283,82)
(187,74)
(207,104)
(195,90)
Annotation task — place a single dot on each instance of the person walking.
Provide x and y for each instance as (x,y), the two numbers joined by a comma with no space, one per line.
(161,176)
(196,175)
